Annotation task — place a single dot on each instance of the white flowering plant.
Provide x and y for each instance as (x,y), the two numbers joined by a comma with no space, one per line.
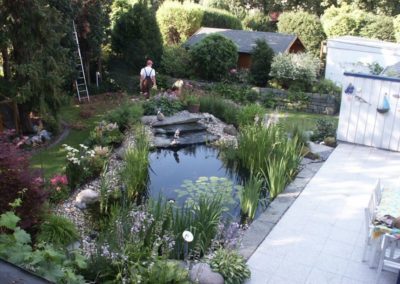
(106,133)
(82,164)
(300,67)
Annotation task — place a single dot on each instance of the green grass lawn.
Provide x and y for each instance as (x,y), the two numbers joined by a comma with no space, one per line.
(52,160)
(305,121)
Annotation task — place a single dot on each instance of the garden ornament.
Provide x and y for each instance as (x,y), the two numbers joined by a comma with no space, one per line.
(361,100)
(385,106)
(349,90)
(160,115)
(177,132)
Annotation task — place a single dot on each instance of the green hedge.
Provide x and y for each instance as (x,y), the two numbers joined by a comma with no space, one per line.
(396,24)
(179,21)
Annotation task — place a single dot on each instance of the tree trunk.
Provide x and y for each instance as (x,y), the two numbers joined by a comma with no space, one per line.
(25,120)
(6,63)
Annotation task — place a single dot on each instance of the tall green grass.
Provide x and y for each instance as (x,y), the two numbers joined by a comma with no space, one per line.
(221,108)
(250,196)
(270,152)
(134,173)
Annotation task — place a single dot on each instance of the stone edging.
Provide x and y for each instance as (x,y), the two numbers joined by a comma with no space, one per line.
(264,224)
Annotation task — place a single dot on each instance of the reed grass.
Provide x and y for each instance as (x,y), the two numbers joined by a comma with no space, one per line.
(250,196)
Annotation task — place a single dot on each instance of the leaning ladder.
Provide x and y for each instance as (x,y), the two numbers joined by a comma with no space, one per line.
(80,82)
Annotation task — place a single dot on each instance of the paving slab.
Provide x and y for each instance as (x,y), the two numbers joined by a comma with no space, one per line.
(320,237)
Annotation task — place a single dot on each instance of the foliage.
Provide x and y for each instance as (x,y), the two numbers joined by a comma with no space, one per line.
(106,134)
(167,272)
(136,36)
(248,113)
(324,128)
(223,109)
(59,189)
(18,180)
(57,231)
(38,63)
(301,67)
(178,21)
(125,115)
(234,92)
(241,76)
(209,186)
(176,62)
(214,56)
(351,20)
(261,63)
(261,150)
(236,7)
(166,103)
(326,86)
(44,260)
(82,164)
(396,25)
(306,26)
(250,196)
(134,173)
(231,265)
(259,22)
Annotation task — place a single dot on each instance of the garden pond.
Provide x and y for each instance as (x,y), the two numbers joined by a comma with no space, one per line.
(182,174)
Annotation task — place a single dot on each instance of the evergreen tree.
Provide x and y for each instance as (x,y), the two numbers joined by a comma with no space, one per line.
(261,63)
(136,36)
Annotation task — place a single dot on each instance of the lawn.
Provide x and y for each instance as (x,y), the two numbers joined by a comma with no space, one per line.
(305,121)
(52,159)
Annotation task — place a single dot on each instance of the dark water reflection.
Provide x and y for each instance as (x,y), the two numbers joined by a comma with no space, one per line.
(168,170)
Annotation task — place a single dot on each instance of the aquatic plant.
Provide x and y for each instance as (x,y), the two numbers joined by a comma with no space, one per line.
(250,196)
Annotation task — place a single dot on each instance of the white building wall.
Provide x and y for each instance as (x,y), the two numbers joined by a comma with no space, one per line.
(353,54)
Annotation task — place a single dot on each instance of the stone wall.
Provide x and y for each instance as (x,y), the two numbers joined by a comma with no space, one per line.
(308,102)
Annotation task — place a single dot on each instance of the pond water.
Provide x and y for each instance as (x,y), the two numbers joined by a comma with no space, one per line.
(169,169)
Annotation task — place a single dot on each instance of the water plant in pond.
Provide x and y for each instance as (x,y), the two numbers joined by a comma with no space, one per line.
(134,173)
(250,196)
(210,186)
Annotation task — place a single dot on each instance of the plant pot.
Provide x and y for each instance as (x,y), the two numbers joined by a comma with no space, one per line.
(193,108)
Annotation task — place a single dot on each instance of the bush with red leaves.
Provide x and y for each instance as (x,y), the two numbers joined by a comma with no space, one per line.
(15,176)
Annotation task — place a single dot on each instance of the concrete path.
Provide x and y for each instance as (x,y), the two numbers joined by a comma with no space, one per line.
(320,238)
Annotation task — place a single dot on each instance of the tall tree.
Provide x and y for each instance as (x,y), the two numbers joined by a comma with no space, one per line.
(37,60)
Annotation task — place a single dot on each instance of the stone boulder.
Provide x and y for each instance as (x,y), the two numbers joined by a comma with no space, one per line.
(86,197)
(231,130)
(202,273)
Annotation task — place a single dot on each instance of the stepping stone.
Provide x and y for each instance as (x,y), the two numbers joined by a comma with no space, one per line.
(183,128)
(174,120)
(184,140)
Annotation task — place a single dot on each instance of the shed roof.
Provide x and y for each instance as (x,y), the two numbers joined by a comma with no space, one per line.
(245,40)
(374,43)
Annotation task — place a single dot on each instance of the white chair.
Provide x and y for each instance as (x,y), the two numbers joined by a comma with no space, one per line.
(370,212)
(390,256)
(377,192)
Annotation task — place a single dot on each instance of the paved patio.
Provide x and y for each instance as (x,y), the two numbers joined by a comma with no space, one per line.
(320,238)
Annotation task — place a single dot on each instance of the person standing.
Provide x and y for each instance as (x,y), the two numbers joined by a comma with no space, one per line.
(147,78)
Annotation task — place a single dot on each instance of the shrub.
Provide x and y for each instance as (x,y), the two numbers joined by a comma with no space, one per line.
(351,20)
(44,260)
(59,189)
(216,18)
(324,128)
(18,180)
(178,21)
(231,265)
(306,26)
(57,230)
(176,62)
(261,63)
(234,92)
(105,134)
(396,25)
(248,114)
(136,36)
(214,56)
(326,86)
(125,115)
(259,22)
(225,110)
(167,272)
(235,7)
(288,68)
(167,104)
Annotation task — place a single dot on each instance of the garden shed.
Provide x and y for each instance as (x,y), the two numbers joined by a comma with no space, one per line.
(358,55)
(246,41)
